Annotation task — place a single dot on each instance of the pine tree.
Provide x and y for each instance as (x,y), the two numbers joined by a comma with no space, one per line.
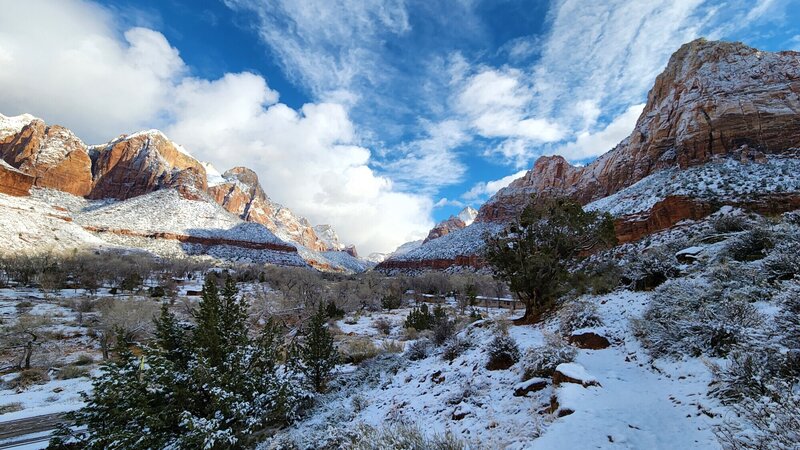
(170,337)
(317,353)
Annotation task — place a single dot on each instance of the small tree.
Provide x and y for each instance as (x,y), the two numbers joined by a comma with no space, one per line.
(533,255)
(318,355)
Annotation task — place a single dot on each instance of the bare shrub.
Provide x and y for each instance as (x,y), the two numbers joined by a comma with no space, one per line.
(541,362)
(28,378)
(651,269)
(730,223)
(419,349)
(383,325)
(358,350)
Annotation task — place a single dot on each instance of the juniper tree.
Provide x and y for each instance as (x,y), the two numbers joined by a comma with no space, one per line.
(534,253)
(318,356)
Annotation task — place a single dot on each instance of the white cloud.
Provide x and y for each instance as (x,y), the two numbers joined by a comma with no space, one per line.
(591,144)
(71,67)
(486,189)
(444,201)
(76,68)
(306,159)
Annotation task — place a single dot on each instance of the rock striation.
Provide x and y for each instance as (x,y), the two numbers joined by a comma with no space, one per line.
(713,99)
(144,162)
(52,155)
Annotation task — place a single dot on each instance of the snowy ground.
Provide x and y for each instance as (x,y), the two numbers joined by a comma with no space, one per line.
(638,404)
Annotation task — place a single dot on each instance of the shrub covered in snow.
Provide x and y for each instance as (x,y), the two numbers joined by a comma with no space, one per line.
(541,362)
(751,245)
(651,268)
(503,351)
(692,316)
(577,314)
(730,223)
(402,437)
(419,349)
(455,347)
(783,262)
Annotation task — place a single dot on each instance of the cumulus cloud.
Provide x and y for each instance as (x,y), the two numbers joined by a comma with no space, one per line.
(73,68)
(306,159)
(100,81)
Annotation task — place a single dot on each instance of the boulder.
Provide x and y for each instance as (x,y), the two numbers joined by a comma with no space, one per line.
(573,373)
(589,340)
(13,181)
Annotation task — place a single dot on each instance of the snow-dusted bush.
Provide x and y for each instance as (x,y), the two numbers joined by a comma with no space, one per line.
(789,318)
(750,246)
(730,223)
(651,268)
(455,347)
(503,350)
(358,350)
(692,316)
(760,388)
(402,437)
(443,330)
(419,349)
(541,362)
(577,314)
(783,262)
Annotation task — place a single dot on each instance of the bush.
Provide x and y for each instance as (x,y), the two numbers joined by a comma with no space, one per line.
(541,362)
(359,350)
(783,262)
(383,325)
(390,302)
(402,437)
(392,347)
(730,224)
(454,348)
(750,246)
(28,378)
(70,372)
(503,351)
(689,316)
(419,349)
(333,311)
(11,407)
(574,315)
(423,319)
(83,360)
(443,330)
(651,269)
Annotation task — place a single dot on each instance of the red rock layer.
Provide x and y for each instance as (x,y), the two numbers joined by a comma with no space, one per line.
(143,163)
(14,182)
(52,155)
(713,99)
(445,227)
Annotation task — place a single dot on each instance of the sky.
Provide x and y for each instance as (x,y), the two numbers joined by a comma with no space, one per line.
(379,117)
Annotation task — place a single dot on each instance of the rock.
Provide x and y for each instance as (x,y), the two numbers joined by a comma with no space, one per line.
(13,181)
(437,377)
(713,99)
(573,373)
(142,163)
(326,234)
(241,194)
(52,155)
(533,385)
(589,340)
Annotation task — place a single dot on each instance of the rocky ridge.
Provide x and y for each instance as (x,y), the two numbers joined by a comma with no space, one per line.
(715,101)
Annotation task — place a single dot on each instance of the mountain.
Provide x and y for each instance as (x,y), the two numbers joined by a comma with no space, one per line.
(453,223)
(723,116)
(145,191)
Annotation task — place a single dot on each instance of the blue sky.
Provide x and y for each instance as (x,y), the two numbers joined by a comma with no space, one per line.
(378,116)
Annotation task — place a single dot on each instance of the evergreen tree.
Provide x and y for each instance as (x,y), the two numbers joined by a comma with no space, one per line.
(318,355)
(215,390)
(533,255)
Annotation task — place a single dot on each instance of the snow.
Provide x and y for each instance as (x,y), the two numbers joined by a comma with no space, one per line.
(43,398)
(576,371)
(10,125)
(213,176)
(468,215)
(466,241)
(727,179)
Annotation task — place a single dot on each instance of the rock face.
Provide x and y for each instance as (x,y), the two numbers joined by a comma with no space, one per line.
(327,235)
(142,163)
(713,99)
(462,220)
(52,155)
(13,181)
(241,194)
